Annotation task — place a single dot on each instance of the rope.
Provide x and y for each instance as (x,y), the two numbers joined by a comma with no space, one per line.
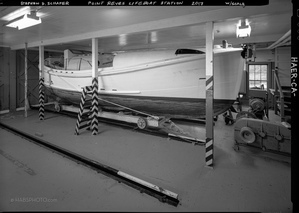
(155,117)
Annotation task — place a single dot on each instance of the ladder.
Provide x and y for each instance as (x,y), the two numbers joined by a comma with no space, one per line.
(88,111)
(282,99)
(283,103)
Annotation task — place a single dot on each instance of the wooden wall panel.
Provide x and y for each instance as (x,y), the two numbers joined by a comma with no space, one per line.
(33,75)
(12,80)
(283,62)
(4,78)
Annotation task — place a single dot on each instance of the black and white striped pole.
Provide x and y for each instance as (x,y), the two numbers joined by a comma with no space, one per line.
(94,109)
(41,95)
(81,108)
(209,146)
(94,121)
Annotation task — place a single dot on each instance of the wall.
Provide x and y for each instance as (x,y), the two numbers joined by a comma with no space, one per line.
(260,56)
(280,57)
(32,77)
(4,78)
(265,56)
(283,62)
(12,78)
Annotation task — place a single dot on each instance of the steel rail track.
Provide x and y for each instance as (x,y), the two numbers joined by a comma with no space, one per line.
(161,194)
(131,126)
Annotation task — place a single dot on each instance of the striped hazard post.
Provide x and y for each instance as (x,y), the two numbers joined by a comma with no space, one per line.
(41,99)
(81,109)
(209,152)
(94,108)
(209,137)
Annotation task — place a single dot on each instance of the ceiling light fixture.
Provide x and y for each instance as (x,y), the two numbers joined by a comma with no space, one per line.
(25,21)
(17,13)
(243,29)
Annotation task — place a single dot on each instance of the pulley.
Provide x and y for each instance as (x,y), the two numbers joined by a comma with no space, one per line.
(257,104)
(247,135)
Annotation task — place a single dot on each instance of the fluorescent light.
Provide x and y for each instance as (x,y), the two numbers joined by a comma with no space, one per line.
(243,29)
(19,12)
(122,40)
(25,21)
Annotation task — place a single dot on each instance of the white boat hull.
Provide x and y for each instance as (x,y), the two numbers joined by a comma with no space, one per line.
(175,86)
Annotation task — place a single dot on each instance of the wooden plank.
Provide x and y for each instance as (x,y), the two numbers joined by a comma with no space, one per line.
(4,78)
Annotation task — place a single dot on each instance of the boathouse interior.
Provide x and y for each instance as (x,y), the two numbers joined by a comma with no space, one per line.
(236,161)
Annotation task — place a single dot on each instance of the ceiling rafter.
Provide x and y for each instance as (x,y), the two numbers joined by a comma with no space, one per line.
(172,27)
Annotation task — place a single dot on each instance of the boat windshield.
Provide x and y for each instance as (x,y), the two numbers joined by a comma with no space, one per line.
(54,62)
(85,63)
(188,51)
(79,64)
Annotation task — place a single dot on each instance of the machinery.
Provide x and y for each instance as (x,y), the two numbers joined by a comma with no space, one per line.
(257,109)
(228,116)
(265,135)
(253,129)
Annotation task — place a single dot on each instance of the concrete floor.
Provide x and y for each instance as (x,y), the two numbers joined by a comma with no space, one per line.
(238,182)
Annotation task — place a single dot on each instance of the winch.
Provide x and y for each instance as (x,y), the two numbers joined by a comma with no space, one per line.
(258,108)
(253,129)
(266,135)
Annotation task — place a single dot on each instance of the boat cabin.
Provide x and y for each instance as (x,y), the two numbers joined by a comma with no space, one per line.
(82,60)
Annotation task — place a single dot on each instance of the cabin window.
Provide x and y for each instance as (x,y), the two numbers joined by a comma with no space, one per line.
(85,65)
(106,60)
(74,64)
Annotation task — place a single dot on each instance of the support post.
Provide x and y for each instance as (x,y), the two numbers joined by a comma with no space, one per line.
(209,95)
(12,81)
(94,109)
(26,81)
(41,97)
